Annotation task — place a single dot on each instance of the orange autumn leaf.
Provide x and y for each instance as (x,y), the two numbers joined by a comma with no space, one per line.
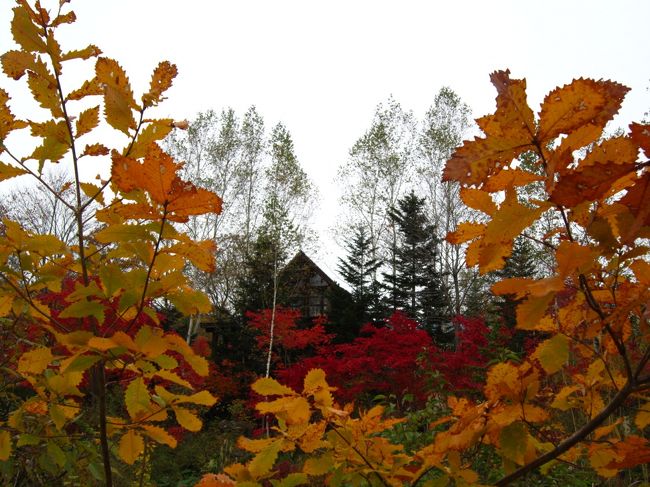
(157,175)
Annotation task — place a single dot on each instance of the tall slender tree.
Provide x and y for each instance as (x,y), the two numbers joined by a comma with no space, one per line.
(359,269)
(416,287)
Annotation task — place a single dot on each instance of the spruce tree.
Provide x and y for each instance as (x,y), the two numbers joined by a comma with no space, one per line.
(359,269)
(416,286)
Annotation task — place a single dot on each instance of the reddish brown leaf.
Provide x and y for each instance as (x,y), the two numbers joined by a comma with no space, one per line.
(589,184)
(640,134)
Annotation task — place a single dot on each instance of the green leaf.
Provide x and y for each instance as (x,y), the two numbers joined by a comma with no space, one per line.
(513,442)
(291,480)
(264,460)
(553,353)
(84,309)
(81,363)
(55,452)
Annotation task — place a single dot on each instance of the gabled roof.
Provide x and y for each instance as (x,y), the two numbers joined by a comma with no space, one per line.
(301,261)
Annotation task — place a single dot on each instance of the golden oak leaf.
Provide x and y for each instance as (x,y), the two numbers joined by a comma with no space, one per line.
(201,254)
(154,131)
(464,232)
(263,462)
(187,419)
(640,134)
(15,63)
(159,435)
(641,269)
(172,377)
(198,363)
(572,257)
(531,311)
(476,160)
(67,18)
(189,301)
(95,150)
(293,409)
(118,97)
(584,101)
(151,341)
(44,91)
(25,33)
(502,381)
(161,81)
(559,159)
(202,398)
(316,386)
(5,445)
(478,200)
(131,446)
(7,171)
(491,257)
(137,398)
(35,361)
(510,178)
(7,120)
(88,120)
(642,418)
(88,88)
(254,446)
(514,118)
(553,353)
(510,220)
(267,386)
(637,200)
(85,53)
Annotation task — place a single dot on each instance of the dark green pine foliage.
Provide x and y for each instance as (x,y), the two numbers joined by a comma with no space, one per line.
(415,285)
(521,263)
(359,269)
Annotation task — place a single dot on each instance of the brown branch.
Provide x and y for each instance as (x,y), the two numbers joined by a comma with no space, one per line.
(574,439)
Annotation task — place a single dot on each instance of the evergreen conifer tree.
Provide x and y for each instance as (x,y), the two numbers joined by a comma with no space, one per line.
(416,286)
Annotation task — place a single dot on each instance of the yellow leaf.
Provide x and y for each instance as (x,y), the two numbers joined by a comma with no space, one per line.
(318,465)
(5,445)
(57,415)
(137,398)
(6,302)
(35,361)
(478,200)
(465,232)
(642,418)
(161,81)
(573,257)
(131,446)
(316,385)
(198,363)
(553,353)
(292,409)
(7,171)
(271,387)
(151,341)
(156,130)
(531,311)
(15,63)
(187,419)
(202,398)
(264,460)
(88,120)
(92,191)
(25,33)
(254,446)
(118,97)
(83,309)
(160,435)
(172,377)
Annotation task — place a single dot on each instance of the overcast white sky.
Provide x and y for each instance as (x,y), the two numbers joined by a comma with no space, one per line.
(322,67)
